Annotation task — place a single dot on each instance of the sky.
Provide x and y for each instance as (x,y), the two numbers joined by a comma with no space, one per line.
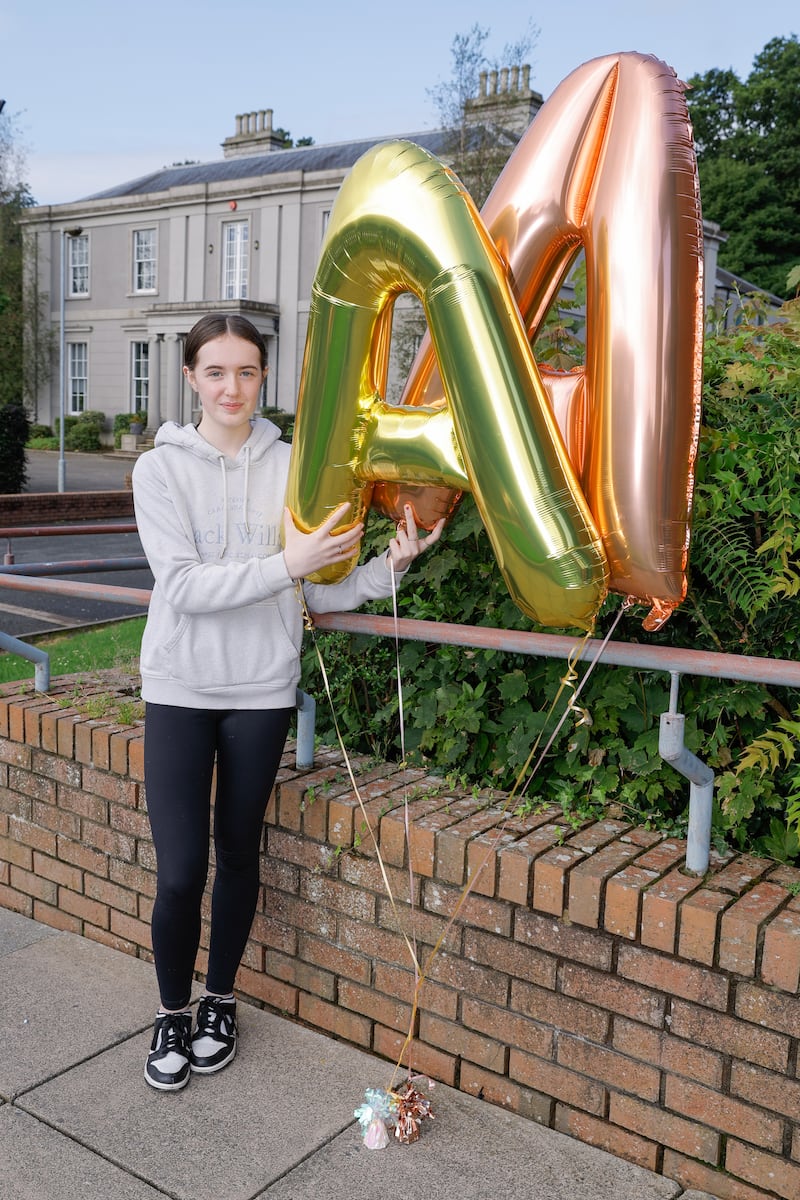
(99,93)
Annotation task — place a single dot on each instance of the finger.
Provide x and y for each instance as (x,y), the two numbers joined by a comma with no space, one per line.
(334,519)
(410,523)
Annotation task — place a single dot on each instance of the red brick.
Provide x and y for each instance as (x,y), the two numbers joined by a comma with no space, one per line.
(39,787)
(499,1090)
(624,900)
(63,770)
(564,941)
(754,1166)
(367,873)
(516,861)
(55,819)
(393,981)
(665,1128)
(740,874)
(550,873)
(517,959)
(131,929)
(483,854)
(616,995)
(587,882)
(288,847)
(780,957)
(453,842)
(770,1010)
(76,800)
(729,1035)
(342,897)
(338,1021)
(56,918)
(118,845)
(372,941)
(109,939)
(723,1113)
(561,1012)
(82,856)
(380,1008)
(414,1055)
(84,908)
(741,924)
(510,1028)
(673,977)
(668,1052)
(548,1077)
(129,820)
(59,872)
(13,852)
(455,1039)
(120,898)
(118,749)
(423,834)
(765,1088)
(111,787)
(695,1175)
(494,915)
(699,932)
(302,975)
(14,754)
(333,958)
(393,826)
(426,928)
(607,1066)
(660,907)
(269,932)
(32,885)
(612,1139)
(19,902)
(136,758)
(467,977)
(272,992)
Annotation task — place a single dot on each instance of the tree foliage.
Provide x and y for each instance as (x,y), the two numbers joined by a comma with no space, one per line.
(25,340)
(747,135)
(480,715)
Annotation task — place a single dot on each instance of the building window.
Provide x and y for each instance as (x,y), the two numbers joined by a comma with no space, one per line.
(236,236)
(78,376)
(79,265)
(144,260)
(140,376)
(325,218)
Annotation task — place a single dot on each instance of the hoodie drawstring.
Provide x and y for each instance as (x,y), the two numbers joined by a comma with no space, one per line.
(224,505)
(246,485)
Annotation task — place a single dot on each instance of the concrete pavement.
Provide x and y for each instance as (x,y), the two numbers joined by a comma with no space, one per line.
(78,1122)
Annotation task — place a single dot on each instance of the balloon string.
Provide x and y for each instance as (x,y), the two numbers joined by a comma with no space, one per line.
(497,834)
(406,812)
(309,625)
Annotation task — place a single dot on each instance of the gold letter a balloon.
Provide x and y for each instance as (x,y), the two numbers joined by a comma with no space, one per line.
(581,479)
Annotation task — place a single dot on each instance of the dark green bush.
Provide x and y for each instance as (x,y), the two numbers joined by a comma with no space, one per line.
(14,429)
(123,422)
(84,432)
(40,431)
(477,715)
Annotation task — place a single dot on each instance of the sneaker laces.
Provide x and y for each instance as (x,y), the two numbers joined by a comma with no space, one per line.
(170,1036)
(216,1019)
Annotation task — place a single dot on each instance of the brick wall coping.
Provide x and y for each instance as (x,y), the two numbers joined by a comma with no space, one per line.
(37,508)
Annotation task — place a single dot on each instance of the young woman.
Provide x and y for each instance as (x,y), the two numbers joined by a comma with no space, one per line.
(220,664)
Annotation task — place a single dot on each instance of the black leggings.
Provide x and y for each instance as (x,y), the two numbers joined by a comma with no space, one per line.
(180,748)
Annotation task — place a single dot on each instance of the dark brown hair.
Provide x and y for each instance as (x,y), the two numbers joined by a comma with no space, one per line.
(215,325)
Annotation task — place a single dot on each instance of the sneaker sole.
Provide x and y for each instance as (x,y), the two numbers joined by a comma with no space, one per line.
(166,1087)
(209,1070)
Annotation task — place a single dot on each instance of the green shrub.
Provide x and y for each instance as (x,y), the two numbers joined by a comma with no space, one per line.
(477,714)
(43,443)
(14,429)
(40,431)
(84,431)
(284,421)
(122,424)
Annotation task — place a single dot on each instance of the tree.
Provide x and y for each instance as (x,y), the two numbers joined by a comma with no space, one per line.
(25,340)
(747,136)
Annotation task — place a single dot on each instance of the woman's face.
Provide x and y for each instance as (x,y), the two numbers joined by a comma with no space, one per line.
(227,377)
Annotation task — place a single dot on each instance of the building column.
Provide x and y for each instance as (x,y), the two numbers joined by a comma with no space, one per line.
(154,390)
(174,379)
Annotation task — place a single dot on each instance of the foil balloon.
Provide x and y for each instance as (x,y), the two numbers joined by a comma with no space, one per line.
(403,222)
(608,167)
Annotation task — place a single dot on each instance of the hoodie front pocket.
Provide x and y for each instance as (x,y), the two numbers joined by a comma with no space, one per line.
(248,646)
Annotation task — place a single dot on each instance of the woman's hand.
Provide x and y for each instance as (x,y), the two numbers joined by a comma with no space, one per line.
(407,545)
(305,553)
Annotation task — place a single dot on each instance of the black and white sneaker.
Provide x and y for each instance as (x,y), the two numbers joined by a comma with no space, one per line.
(214,1041)
(167,1066)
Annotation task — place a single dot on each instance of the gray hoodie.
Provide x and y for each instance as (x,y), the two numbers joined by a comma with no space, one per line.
(225,622)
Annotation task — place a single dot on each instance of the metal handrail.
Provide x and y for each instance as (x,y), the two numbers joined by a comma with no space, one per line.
(669,659)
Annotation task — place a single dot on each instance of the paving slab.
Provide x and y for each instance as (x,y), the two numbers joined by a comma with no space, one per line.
(475,1151)
(36,1163)
(17,931)
(63,999)
(288,1092)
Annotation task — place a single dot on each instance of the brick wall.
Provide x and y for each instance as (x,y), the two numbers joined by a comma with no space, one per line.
(585,982)
(45,508)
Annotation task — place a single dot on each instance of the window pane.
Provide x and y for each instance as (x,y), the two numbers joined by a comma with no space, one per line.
(144,260)
(140,376)
(78,376)
(79,266)
(236,236)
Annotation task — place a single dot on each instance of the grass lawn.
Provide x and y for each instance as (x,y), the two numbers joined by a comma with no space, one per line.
(102,647)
